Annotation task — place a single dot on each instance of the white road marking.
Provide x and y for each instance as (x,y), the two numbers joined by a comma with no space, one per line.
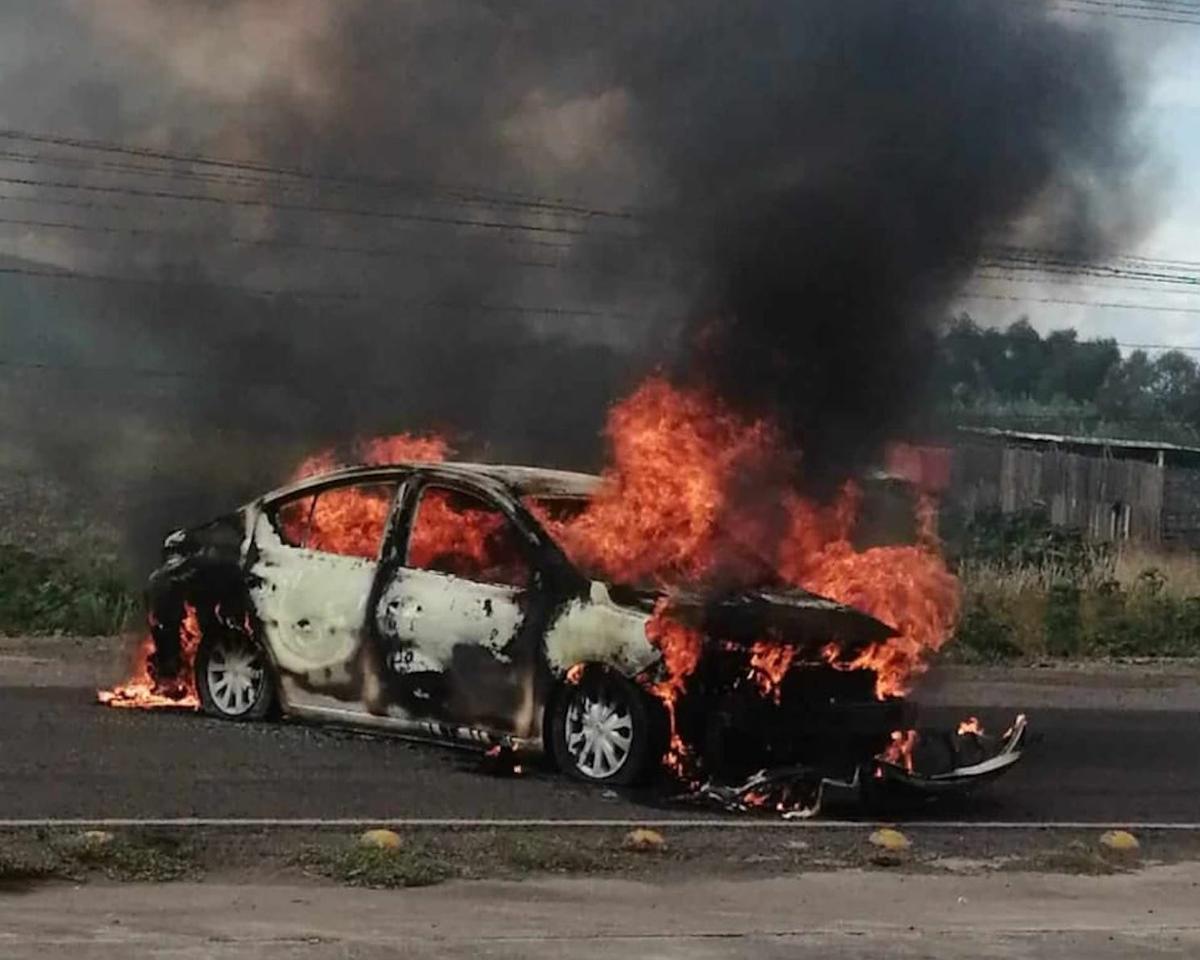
(470,824)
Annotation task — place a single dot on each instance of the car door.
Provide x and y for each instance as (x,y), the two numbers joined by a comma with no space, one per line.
(316,556)
(458,616)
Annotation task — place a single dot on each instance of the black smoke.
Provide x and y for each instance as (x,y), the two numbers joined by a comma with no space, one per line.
(783,199)
(842,166)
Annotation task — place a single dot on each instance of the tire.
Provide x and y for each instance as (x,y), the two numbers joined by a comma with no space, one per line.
(602,729)
(233,677)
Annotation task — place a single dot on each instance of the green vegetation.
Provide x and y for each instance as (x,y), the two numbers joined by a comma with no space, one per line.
(135,857)
(128,857)
(1018,379)
(1032,590)
(414,864)
(1075,857)
(49,594)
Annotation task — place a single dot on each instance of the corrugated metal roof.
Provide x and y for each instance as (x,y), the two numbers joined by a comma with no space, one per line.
(1147,445)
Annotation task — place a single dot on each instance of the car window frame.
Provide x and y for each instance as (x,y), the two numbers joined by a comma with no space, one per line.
(404,518)
(398,481)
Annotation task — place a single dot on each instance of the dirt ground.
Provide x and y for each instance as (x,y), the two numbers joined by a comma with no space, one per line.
(827,915)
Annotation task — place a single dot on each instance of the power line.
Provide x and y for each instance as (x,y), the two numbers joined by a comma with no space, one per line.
(1068,281)
(1082,303)
(1163,7)
(1084,11)
(1035,253)
(123,370)
(340,295)
(1159,346)
(315,208)
(512,242)
(1095,270)
(76,275)
(458,192)
(240,182)
(385,252)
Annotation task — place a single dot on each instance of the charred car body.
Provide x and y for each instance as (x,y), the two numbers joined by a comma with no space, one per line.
(431,600)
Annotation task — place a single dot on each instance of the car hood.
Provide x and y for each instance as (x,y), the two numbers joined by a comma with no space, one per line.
(768,614)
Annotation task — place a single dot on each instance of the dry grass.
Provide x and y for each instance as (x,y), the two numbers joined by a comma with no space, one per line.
(1138,602)
(1178,574)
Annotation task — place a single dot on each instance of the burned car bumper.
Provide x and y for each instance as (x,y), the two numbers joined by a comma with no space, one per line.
(941,764)
(974,761)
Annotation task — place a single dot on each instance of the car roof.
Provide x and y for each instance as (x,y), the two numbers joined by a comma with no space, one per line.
(523,481)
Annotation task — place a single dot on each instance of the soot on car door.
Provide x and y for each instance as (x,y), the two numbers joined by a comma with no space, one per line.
(458,619)
(316,561)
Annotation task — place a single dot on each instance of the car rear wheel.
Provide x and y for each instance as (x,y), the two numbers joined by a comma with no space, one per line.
(232,677)
(601,728)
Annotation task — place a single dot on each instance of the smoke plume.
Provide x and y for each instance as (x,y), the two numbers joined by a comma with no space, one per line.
(521,209)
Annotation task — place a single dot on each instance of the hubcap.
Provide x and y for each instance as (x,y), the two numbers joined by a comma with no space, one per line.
(235,675)
(599,733)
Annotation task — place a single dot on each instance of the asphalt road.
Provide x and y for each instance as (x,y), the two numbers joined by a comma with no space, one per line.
(64,756)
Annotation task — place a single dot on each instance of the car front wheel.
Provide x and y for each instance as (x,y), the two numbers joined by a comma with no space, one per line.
(601,728)
(232,677)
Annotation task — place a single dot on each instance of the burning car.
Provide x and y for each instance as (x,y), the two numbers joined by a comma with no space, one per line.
(451,602)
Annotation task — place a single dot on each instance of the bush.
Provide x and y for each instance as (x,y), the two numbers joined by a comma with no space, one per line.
(1034,611)
(40,594)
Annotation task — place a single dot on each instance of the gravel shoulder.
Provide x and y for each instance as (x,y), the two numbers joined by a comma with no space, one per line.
(831,915)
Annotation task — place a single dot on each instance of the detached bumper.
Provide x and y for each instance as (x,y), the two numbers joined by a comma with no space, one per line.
(965,762)
(961,778)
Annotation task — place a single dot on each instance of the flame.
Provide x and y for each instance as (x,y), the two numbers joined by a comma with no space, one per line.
(451,532)
(971,726)
(900,750)
(680,646)
(146,691)
(676,457)
(769,664)
(696,494)
(377,451)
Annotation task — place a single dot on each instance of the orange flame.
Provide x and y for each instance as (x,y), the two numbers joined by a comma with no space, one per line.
(680,646)
(377,451)
(971,726)
(900,750)
(769,664)
(143,690)
(697,494)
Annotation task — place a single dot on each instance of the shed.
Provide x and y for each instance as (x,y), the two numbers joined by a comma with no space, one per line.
(1112,489)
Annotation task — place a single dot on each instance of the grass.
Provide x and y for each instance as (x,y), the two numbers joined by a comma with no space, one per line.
(21,867)
(134,857)
(1135,603)
(1076,857)
(137,857)
(53,595)
(414,864)
(422,861)
(548,853)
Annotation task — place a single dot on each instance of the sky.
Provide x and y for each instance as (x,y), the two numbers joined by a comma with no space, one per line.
(1165,55)
(1168,56)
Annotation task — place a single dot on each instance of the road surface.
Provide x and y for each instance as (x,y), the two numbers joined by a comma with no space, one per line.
(64,756)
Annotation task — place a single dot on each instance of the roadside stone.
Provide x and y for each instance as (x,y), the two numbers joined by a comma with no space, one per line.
(95,838)
(1120,841)
(893,841)
(643,840)
(381,840)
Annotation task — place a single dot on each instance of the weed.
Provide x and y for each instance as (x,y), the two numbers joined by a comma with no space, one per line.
(137,857)
(537,853)
(46,594)
(1076,857)
(20,868)
(411,865)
